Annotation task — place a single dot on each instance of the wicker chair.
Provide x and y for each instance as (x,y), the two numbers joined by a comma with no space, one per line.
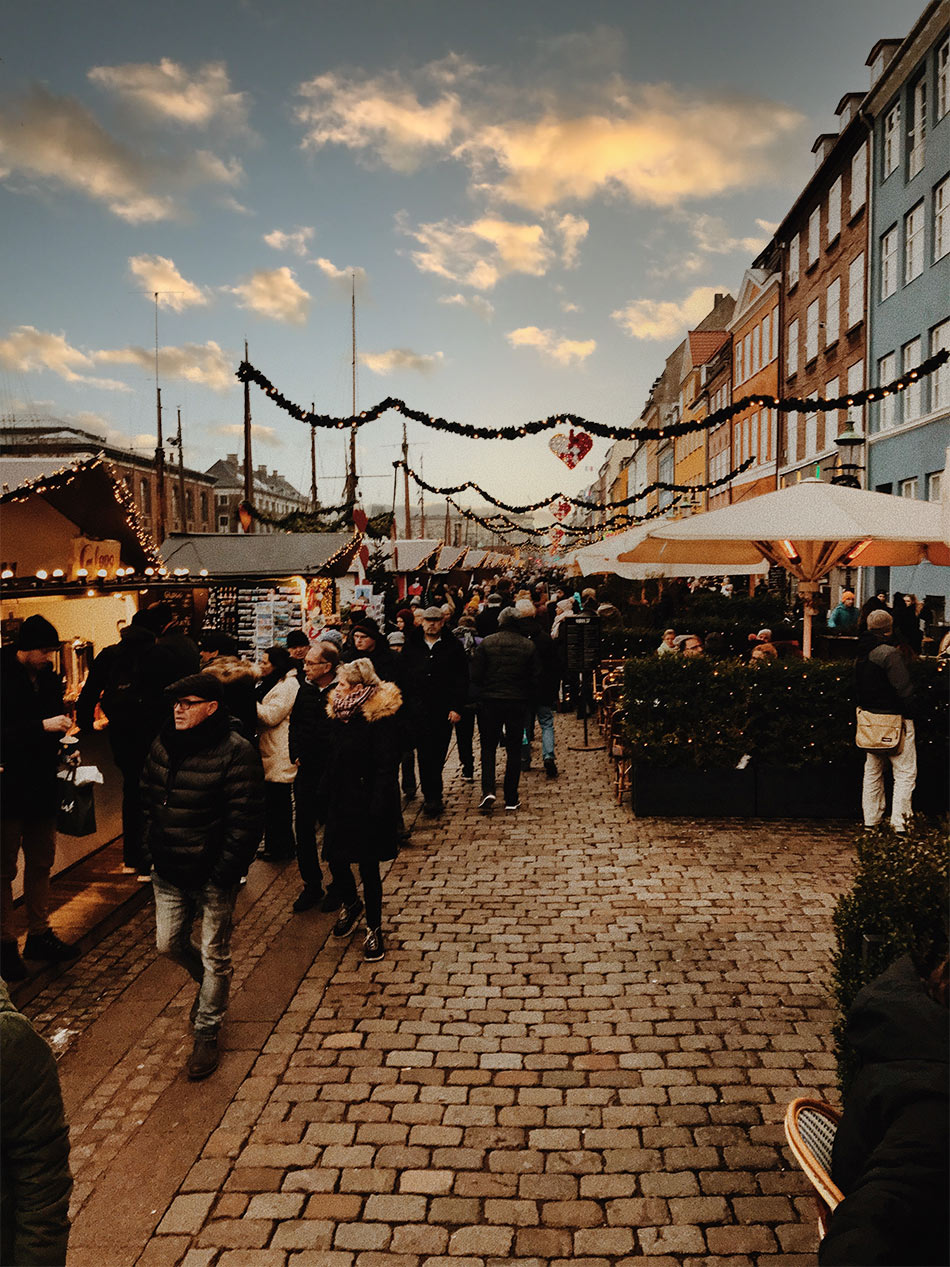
(810,1127)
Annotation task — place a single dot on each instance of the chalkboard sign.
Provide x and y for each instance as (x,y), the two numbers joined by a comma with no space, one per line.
(583,642)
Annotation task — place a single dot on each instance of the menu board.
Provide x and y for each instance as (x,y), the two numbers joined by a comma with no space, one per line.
(583,642)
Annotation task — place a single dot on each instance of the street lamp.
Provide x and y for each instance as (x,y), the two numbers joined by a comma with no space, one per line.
(848,442)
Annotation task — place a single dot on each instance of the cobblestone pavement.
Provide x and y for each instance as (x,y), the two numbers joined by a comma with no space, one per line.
(578,1049)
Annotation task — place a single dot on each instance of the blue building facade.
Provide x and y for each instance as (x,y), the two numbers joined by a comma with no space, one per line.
(908,300)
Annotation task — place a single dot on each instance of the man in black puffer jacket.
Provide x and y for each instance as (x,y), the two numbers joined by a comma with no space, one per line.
(203,800)
(506,679)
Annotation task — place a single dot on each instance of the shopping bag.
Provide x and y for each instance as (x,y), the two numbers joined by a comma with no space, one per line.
(77,807)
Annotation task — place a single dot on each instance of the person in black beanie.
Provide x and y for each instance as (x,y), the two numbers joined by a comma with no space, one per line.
(31,726)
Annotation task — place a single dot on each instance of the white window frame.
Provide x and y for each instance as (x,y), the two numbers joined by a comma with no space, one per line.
(856,291)
(811,431)
(812,314)
(890,253)
(773,336)
(891,153)
(791,439)
(756,348)
(912,396)
(794,261)
(940,379)
(934,482)
(832,389)
(834,211)
(748,355)
(917,132)
(814,236)
(941,219)
(833,312)
(859,179)
(907,488)
(914,242)
(791,360)
(739,365)
(886,408)
(943,79)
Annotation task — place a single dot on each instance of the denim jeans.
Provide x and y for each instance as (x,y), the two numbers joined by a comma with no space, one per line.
(545,715)
(175,912)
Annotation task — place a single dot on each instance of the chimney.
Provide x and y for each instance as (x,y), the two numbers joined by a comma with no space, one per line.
(232,459)
(262,472)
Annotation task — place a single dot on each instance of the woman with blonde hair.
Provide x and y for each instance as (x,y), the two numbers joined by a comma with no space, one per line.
(360,794)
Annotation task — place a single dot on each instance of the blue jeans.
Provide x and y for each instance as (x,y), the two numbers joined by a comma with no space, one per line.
(175,912)
(545,716)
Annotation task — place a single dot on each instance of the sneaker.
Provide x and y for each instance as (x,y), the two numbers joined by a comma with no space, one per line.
(204,1057)
(49,947)
(468,776)
(331,902)
(373,948)
(409,794)
(348,920)
(517,805)
(307,899)
(486,804)
(550,768)
(432,809)
(267,855)
(12,967)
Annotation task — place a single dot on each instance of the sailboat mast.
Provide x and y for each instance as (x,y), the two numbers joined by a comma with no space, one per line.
(351,473)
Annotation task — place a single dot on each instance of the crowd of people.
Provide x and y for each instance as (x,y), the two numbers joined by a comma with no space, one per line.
(312,755)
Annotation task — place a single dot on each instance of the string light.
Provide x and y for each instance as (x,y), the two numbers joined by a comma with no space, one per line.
(246,373)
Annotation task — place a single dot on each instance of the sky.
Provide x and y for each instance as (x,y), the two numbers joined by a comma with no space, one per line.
(536,201)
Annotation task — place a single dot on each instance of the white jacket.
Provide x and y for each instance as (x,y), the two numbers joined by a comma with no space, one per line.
(273,715)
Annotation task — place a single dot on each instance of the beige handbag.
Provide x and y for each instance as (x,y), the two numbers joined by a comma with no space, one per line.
(879,732)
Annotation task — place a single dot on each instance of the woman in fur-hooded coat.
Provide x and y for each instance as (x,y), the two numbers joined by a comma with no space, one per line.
(360,787)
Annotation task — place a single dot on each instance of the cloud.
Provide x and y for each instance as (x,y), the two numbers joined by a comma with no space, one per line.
(57,140)
(268,435)
(274,293)
(202,363)
(568,306)
(384,115)
(664,318)
(27,349)
(477,303)
(481,253)
(551,345)
(400,359)
(166,90)
(712,237)
(295,241)
(159,275)
(343,277)
(535,146)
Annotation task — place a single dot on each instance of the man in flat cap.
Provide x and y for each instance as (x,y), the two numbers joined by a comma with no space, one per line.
(435,691)
(203,798)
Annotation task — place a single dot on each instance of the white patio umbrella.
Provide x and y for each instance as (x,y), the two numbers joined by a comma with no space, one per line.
(808,529)
(603,557)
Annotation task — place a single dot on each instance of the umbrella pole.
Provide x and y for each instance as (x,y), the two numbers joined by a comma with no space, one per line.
(807,589)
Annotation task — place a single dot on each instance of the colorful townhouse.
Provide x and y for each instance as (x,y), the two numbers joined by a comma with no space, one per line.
(755,342)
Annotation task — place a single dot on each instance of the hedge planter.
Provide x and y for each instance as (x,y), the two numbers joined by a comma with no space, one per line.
(682,792)
(832,791)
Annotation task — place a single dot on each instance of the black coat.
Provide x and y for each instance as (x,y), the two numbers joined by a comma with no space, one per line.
(29,755)
(309,735)
(890,1154)
(882,678)
(238,680)
(434,680)
(128,681)
(359,791)
(203,801)
(506,666)
(546,648)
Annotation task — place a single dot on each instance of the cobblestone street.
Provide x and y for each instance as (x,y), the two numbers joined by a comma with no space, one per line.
(578,1048)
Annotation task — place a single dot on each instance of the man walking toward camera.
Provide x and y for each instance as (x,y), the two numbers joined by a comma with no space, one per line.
(203,799)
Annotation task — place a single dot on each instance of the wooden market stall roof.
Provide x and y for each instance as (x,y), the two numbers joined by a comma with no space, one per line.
(414,554)
(450,558)
(261,555)
(90,493)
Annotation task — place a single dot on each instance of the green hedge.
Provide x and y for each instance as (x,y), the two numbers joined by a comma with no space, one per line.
(705,714)
(896,906)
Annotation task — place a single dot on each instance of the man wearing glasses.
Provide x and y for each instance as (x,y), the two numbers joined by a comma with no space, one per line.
(203,794)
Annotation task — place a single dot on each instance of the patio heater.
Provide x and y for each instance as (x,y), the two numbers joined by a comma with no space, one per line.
(848,470)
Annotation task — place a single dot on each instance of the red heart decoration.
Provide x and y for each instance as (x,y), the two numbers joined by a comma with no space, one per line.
(571,448)
(562,510)
(557,535)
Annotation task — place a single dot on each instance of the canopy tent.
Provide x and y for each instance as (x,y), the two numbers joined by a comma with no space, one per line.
(264,554)
(808,529)
(604,556)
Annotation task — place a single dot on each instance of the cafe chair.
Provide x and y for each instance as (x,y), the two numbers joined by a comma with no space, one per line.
(810,1128)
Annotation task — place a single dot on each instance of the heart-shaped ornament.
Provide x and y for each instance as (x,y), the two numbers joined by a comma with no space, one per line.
(557,534)
(562,510)
(571,448)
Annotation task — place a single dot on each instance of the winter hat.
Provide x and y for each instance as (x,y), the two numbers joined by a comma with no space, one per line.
(507,616)
(397,639)
(367,625)
(37,634)
(332,635)
(218,641)
(297,638)
(433,613)
(203,685)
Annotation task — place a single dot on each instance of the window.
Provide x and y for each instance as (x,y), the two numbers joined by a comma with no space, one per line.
(811,331)
(223,522)
(811,433)
(912,395)
(942,219)
(145,493)
(855,378)
(832,389)
(918,128)
(747,355)
(740,368)
(204,507)
(933,486)
(856,291)
(908,488)
(791,438)
(940,380)
(793,262)
(832,312)
(814,235)
(767,353)
(943,84)
(792,348)
(756,349)
(834,210)
(914,242)
(859,179)
(189,505)
(892,140)
(886,413)
(889,262)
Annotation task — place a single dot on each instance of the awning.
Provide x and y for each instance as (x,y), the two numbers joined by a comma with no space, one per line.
(261,555)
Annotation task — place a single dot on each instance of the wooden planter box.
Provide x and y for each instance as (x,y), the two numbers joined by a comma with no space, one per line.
(681,792)
(832,791)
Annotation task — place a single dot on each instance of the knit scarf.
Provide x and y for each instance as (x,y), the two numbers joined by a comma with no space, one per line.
(345,705)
